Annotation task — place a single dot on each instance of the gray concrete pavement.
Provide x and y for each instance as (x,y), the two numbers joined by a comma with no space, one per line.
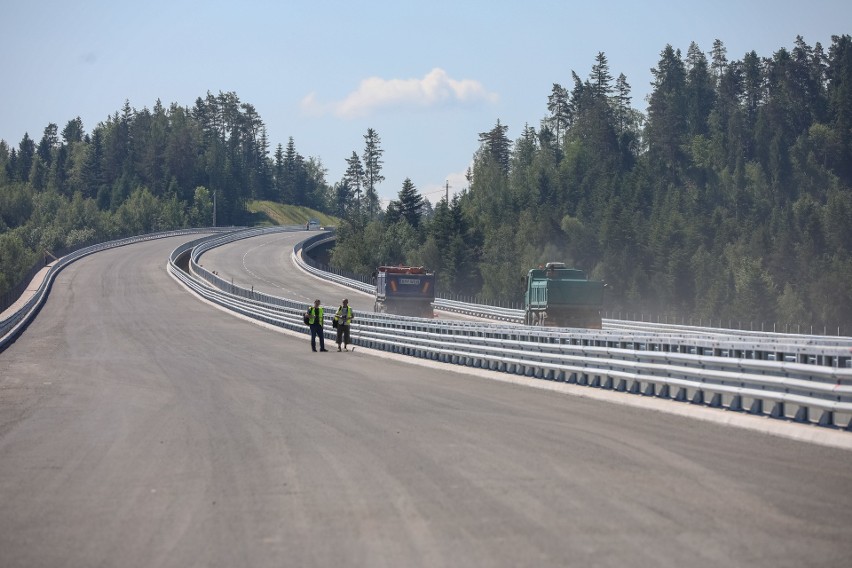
(140,426)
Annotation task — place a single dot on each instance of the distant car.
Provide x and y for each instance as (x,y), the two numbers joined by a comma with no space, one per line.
(313,224)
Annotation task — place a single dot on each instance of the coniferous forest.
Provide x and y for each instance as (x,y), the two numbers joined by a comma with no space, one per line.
(729,197)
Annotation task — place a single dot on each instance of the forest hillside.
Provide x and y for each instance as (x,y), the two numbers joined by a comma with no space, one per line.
(727,197)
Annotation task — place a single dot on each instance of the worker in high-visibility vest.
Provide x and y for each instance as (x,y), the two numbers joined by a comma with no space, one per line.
(315,317)
(342,320)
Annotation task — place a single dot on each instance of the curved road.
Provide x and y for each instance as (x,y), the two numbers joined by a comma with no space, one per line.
(264,263)
(140,426)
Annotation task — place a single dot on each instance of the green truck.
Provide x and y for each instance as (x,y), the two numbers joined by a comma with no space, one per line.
(562,297)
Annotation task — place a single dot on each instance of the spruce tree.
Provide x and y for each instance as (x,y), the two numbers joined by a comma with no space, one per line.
(372,170)
(410,203)
(354,178)
(497,145)
(560,111)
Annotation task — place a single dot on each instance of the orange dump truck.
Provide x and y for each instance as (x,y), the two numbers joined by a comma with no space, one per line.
(405,290)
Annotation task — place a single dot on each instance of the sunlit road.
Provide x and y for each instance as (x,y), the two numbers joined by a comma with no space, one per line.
(264,263)
(140,426)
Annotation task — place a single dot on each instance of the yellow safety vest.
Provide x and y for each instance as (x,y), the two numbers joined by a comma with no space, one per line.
(347,319)
(312,315)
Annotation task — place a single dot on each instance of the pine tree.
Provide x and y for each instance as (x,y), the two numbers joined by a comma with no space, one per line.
(719,60)
(73,131)
(410,203)
(622,108)
(372,170)
(600,79)
(577,94)
(342,199)
(354,178)
(288,182)
(753,94)
(840,99)
(26,154)
(700,91)
(560,111)
(667,124)
(496,144)
(48,144)
(93,177)
(11,168)
(278,175)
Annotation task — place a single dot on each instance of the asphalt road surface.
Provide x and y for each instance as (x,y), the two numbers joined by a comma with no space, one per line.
(140,426)
(264,263)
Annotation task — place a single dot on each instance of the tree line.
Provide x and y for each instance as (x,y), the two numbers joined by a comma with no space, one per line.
(728,199)
(157,169)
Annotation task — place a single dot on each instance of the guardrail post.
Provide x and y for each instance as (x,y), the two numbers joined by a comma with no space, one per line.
(542,362)
(736,403)
(827,419)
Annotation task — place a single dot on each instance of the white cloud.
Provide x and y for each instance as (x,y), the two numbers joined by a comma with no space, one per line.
(435,88)
(311,106)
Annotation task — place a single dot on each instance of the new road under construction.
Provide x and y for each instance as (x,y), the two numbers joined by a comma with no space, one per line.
(162,408)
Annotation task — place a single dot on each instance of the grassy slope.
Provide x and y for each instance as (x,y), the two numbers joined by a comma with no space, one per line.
(271,213)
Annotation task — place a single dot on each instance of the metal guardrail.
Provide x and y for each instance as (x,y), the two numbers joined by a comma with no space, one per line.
(311,267)
(734,373)
(657,336)
(770,374)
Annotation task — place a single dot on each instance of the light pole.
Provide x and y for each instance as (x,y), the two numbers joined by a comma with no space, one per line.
(214,207)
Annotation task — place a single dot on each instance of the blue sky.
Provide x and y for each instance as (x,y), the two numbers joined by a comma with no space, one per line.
(427,76)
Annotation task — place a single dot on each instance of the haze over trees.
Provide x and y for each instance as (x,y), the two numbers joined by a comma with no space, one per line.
(728,198)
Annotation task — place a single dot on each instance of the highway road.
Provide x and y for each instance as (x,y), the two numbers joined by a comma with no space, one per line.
(263,263)
(141,426)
